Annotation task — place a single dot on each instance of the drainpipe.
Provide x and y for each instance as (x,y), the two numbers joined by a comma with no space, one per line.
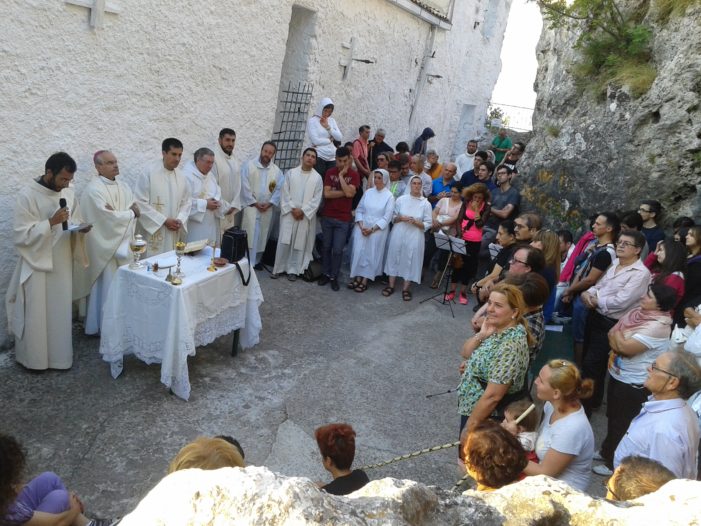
(421,78)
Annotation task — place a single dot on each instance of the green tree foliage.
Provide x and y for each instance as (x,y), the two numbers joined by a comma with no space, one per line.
(615,45)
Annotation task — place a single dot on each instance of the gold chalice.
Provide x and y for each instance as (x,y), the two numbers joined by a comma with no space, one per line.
(180,252)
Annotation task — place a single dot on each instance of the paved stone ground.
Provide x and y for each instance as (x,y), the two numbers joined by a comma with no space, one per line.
(324,357)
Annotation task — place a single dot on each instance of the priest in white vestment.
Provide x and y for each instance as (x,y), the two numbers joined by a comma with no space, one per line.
(163,196)
(299,201)
(262,183)
(227,173)
(206,210)
(40,293)
(405,252)
(372,219)
(108,205)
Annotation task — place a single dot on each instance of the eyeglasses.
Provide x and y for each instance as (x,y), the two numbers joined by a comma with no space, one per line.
(514,260)
(625,244)
(654,367)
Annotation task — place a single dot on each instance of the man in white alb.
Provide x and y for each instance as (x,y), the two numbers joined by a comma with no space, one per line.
(262,181)
(465,160)
(163,196)
(107,204)
(206,208)
(299,200)
(39,295)
(227,173)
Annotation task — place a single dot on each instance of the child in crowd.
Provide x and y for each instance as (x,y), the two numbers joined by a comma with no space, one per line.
(526,430)
(42,500)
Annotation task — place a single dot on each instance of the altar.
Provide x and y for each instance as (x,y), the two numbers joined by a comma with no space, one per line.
(158,322)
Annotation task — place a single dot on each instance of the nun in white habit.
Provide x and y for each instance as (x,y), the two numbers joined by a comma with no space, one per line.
(372,219)
(412,217)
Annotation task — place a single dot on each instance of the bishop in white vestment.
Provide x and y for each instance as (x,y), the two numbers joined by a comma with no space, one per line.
(227,172)
(39,296)
(163,196)
(206,210)
(299,201)
(262,182)
(107,204)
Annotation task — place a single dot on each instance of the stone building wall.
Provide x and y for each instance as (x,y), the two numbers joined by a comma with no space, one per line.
(188,68)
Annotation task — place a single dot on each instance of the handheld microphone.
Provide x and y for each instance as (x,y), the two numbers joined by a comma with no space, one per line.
(62,203)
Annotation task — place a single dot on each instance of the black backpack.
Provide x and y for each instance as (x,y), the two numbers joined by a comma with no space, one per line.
(234,247)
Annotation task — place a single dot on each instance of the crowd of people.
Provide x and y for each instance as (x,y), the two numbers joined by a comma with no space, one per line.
(630,292)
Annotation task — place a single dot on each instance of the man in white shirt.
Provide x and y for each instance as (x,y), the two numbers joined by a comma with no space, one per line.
(163,196)
(618,291)
(667,429)
(108,204)
(465,160)
(206,209)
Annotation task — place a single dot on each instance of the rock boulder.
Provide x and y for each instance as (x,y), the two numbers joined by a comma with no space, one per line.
(257,496)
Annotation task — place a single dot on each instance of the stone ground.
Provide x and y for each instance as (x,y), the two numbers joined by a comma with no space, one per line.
(323,357)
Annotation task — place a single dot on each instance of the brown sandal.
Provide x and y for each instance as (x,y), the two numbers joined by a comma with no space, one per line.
(387,291)
(406,295)
(361,287)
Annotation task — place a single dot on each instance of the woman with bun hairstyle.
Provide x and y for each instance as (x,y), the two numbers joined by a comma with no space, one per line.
(565,444)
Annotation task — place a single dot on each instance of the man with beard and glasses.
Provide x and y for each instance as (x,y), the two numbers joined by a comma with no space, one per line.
(40,292)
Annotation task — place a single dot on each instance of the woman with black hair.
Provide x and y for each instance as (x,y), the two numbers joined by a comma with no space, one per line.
(44,500)
(667,265)
(473,214)
(692,276)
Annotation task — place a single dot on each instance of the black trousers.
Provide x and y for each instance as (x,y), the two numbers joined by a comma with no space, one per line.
(596,356)
(467,272)
(321,166)
(623,403)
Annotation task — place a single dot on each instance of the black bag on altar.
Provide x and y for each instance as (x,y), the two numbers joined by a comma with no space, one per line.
(234,247)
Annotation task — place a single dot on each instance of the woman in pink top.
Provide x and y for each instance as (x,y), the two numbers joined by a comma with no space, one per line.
(473,215)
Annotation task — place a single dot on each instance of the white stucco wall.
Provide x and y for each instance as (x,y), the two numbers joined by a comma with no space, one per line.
(188,68)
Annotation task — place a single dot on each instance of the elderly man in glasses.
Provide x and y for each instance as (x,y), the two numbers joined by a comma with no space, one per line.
(667,429)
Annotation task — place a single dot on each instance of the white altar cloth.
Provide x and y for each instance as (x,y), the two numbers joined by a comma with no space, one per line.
(161,323)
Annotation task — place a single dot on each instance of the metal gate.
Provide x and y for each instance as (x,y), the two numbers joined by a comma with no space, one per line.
(289,137)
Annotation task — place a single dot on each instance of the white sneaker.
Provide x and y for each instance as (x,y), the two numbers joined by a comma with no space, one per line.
(597,457)
(602,470)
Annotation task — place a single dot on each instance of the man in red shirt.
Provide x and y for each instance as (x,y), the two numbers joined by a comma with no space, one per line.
(340,184)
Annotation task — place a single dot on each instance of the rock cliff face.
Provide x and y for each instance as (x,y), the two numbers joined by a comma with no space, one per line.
(592,153)
(255,495)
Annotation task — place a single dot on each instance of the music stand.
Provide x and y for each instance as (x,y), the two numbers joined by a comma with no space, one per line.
(454,246)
